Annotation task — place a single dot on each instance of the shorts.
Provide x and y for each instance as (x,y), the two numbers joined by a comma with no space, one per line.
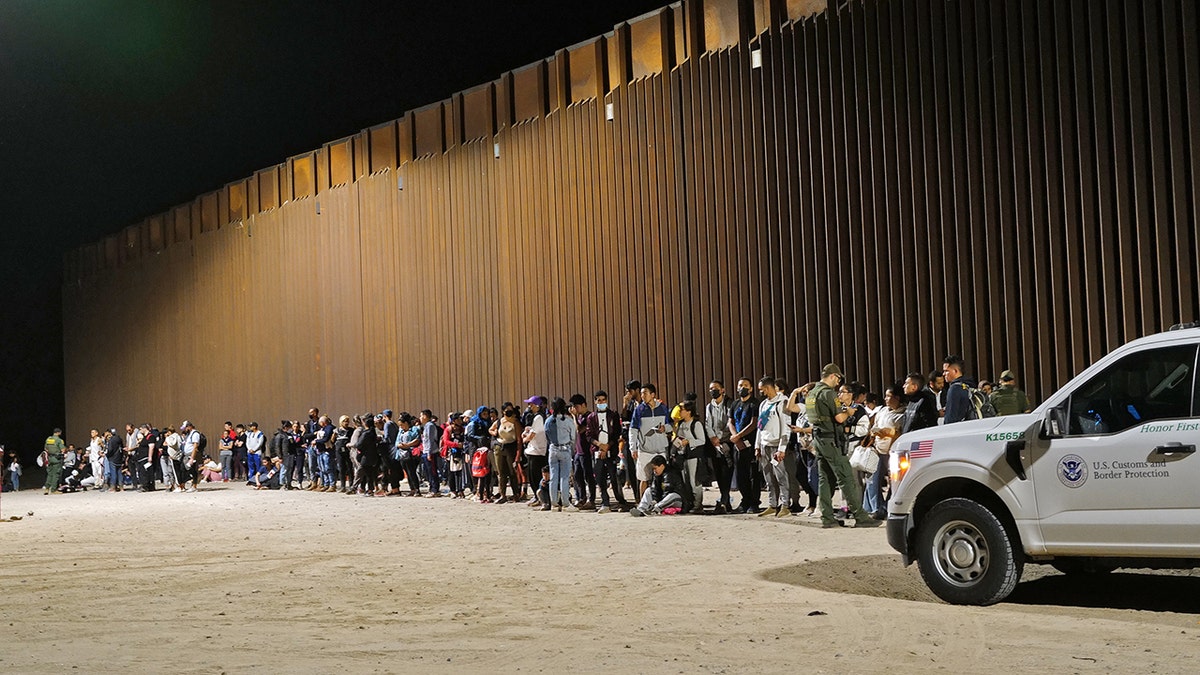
(643,464)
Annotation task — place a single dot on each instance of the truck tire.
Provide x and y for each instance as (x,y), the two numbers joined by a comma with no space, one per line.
(965,554)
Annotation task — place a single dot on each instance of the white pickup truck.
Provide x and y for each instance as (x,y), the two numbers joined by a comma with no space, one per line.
(1103,474)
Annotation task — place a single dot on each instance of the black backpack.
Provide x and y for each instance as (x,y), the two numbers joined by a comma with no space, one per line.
(203,442)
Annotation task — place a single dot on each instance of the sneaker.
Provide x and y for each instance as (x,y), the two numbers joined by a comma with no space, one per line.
(546,507)
(867,522)
(783,512)
(768,512)
(603,509)
(636,512)
(191,489)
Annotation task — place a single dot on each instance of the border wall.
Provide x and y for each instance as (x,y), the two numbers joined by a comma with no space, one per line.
(716,189)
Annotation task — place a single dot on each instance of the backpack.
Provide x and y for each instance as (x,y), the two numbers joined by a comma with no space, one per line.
(203,442)
(479,464)
(981,405)
(703,451)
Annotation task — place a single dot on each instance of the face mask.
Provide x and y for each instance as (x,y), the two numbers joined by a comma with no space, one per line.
(715,394)
(743,392)
(601,407)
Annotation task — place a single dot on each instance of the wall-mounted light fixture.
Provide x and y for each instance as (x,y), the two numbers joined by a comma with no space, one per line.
(756,58)
(496,150)
(608,112)
(399,182)
(318,207)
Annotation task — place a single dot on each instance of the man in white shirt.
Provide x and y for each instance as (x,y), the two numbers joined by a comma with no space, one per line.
(255,440)
(770,447)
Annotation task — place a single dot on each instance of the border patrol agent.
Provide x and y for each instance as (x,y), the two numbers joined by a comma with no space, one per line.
(54,459)
(826,416)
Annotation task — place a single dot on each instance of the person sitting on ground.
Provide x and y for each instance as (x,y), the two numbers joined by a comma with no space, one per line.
(664,490)
(210,471)
(268,475)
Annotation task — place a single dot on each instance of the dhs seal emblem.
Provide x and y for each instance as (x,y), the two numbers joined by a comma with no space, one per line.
(1072,471)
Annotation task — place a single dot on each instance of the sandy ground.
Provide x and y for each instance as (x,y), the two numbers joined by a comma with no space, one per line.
(231,580)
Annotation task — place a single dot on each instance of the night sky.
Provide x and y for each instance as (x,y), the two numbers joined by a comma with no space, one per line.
(111,111)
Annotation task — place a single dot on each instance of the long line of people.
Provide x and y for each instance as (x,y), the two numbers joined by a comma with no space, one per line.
(795,445)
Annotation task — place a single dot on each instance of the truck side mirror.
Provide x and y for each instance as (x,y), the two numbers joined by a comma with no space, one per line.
(1054,425)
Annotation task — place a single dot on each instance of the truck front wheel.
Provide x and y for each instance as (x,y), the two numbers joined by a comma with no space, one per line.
(965,554)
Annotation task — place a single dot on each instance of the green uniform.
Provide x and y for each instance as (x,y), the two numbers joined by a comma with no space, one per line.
(54,457)
(1008,400)
(821,406)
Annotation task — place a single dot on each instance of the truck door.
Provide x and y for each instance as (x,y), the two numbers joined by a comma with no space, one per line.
(1122,480)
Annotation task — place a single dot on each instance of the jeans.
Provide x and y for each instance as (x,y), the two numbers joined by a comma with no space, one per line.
(748,479)
(311,465)
(112,474)
(253,464)
(809,477)
(560,475)
(431,470)
(585,476)
(776,475)
(873,501)
(293,468)
(325,467)
(606,472)
(226,464)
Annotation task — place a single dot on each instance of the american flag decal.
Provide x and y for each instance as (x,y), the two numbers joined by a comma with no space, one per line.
(921,450)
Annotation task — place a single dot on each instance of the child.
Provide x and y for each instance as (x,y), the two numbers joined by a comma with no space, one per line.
(479,471)
(543,491)
(663,492)
(14,472)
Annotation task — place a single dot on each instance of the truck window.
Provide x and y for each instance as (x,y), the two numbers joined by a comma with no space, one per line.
(1141,387)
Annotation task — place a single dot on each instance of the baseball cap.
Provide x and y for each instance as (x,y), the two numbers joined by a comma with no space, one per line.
(387,412)
(831,369)
(536,400)
(1007,376)
(185,423)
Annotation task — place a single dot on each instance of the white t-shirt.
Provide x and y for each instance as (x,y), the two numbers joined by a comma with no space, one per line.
(538,445)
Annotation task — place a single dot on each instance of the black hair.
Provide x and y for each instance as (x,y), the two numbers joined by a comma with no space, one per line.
(689,406)
(658,460)
(718,383)
(632,384)
(874,399)
(933,375)
(917,379)
(766,379)
(690,396)
(781,384)
(428,413)
(954,360)
(577,399)
(600,393)
(649,386)
(857,389)
(558,406)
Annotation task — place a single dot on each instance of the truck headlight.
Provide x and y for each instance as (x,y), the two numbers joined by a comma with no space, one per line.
(897,466)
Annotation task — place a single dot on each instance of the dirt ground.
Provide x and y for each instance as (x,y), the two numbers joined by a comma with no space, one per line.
(232,580)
